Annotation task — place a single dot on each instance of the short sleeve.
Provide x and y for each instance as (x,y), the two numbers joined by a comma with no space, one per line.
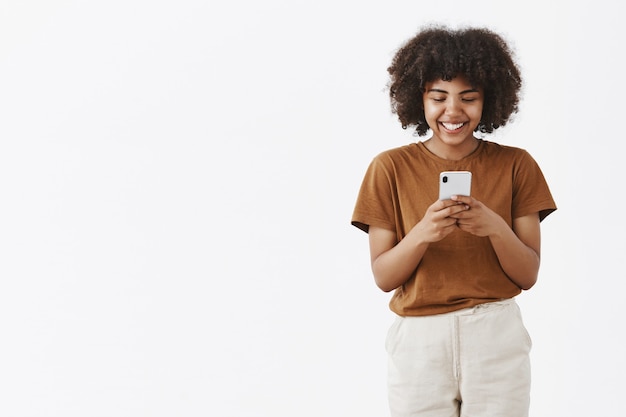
(531,193)
(374,205)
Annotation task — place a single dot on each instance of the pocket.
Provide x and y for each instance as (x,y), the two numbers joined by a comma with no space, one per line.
(522,327)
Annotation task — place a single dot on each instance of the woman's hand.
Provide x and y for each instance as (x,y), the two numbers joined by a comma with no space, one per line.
(477,219)
(440,219)
(393,262)
(518,248)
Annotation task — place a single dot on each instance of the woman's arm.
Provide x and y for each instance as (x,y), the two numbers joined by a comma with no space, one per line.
(518,249)
(394,262)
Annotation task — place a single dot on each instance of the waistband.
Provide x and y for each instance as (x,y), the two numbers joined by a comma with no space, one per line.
(468,311)
(485,307)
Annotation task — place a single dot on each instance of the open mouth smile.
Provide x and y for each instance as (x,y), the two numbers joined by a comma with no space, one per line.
(452,126)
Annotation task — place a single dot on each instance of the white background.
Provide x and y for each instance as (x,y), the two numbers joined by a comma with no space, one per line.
(176,185)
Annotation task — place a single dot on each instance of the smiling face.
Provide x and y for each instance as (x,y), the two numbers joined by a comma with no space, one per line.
(453,110)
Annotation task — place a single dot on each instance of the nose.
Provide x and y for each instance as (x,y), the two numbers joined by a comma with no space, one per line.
(454,106)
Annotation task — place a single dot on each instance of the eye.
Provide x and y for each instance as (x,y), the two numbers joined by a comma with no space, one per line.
(469,99)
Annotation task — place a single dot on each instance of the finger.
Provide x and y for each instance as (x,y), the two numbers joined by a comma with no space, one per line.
(443,223)
(457,210)
(463,199)
(443,204)
(447,225)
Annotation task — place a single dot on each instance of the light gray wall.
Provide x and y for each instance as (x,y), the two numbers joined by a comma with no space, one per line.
(177,180)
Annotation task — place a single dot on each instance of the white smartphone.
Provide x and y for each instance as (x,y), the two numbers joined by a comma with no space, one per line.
(454,183)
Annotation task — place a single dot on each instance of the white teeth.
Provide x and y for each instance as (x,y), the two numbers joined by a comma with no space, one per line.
(452,126)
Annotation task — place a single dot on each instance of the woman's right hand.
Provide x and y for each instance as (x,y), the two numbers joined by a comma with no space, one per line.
(437,222)
(394,262)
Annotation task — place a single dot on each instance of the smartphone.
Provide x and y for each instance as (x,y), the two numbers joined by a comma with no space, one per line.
(454,183)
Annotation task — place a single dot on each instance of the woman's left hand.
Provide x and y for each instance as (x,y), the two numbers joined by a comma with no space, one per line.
(478,219)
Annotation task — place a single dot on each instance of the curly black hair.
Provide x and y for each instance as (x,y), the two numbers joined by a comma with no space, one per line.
(437,52)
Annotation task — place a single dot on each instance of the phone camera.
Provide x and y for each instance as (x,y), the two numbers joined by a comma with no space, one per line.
(445,179)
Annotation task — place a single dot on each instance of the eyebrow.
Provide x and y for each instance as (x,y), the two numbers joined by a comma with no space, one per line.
(436,90)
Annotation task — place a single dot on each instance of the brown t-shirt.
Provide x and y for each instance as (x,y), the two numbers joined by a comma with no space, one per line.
(462,270)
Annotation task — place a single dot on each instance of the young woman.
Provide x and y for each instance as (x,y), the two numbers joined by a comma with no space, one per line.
(458,346)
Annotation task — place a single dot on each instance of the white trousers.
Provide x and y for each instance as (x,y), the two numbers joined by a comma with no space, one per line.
(471,363)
